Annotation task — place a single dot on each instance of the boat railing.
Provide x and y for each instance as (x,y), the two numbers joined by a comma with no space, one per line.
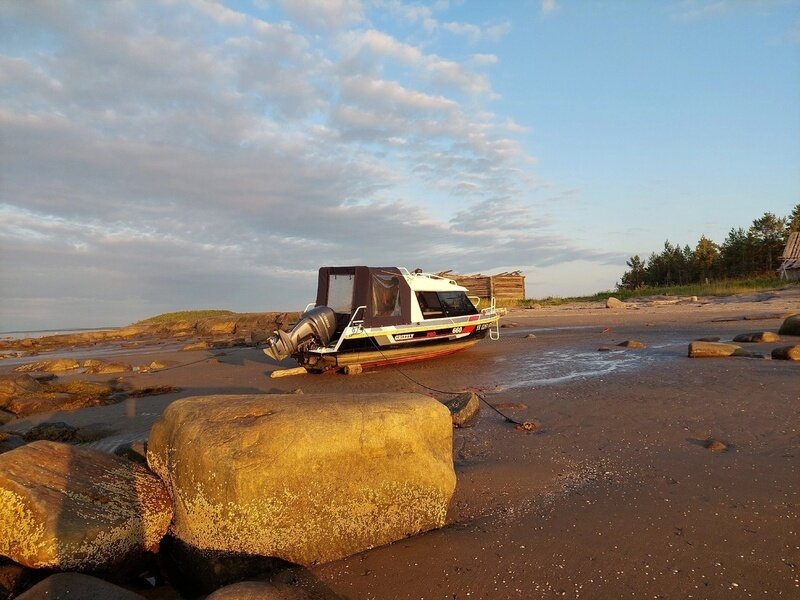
(476,300)
(309,306)
(407,274)
(353,323)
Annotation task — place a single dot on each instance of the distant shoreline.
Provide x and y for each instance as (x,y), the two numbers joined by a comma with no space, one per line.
(35,333)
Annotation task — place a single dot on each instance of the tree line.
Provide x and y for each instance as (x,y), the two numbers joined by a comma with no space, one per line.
(744,253)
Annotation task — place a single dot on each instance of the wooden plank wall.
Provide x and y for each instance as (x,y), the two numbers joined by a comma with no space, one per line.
(504,286)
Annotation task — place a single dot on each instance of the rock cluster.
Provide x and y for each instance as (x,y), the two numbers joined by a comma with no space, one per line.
(239,324)
(711,347)
(232,476)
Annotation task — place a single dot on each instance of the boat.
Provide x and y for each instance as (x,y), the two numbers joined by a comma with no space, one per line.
(373,316)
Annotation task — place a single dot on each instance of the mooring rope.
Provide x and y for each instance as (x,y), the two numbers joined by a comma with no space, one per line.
(524,424)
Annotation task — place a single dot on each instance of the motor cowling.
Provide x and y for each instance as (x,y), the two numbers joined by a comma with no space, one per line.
(317,325)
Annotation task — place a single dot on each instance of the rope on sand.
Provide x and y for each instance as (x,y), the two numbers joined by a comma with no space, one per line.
(521,425)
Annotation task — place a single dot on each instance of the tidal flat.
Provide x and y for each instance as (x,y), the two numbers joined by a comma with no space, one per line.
(649,474)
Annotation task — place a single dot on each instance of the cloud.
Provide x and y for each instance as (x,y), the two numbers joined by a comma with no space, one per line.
(185,155)
(548,7)
(475,33)
(324,14)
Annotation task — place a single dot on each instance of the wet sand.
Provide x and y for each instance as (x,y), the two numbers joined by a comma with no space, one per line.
(614,496)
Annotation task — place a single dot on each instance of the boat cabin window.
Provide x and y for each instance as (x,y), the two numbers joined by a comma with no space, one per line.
(340,293)
(385,295)
(435,305)
(429,305)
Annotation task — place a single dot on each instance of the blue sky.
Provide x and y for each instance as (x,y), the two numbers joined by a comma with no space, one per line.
(198,154)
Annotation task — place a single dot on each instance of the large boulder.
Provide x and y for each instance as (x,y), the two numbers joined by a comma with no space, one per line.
(614,303)
(306,481)
(76,586)
(790,325)
(66,508)
(268,590)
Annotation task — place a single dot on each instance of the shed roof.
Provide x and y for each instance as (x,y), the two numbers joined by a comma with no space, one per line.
(792,249)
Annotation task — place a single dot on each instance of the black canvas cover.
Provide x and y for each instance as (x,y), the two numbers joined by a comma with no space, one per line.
(382,290)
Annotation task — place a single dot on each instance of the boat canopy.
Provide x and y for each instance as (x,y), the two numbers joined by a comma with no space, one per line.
(384,292)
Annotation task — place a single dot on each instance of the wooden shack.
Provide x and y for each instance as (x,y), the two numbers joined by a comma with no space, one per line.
(503,286)
(790,265)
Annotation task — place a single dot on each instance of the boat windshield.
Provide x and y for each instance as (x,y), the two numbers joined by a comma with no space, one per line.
(435,305)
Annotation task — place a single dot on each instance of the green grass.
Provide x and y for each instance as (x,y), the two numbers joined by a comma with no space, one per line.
(726,287)
(184,315)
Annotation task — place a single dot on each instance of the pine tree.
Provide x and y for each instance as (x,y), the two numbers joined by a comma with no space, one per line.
(769,233)
(705,258)
(793,220)
(635,278)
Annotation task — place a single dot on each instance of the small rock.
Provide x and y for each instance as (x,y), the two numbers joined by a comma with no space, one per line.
(760,337)
(636,344)
(196,346)
(535,306)
(14,578)
(353,370)
(29,404)
(614,303)
(790,326)
(50,366)
(787,353)
(297,391)
(694,299)
(133,451)
(716,445)
(161,364)
(464,408)
(604,349)
(44,377)
(12,385)
(711,349)
(57,431)
(256,337)
(510,324)
(6,417)
(527,426)
(10,441)
(108,367)
(530,336)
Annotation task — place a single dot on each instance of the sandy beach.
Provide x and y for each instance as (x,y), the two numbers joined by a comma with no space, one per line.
(615,494)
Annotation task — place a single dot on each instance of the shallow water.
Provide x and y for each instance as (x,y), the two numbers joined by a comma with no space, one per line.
(536,369)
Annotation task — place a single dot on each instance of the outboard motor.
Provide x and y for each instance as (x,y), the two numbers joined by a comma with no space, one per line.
(317,325)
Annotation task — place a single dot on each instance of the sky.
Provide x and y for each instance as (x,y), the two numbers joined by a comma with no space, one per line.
(185,154)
